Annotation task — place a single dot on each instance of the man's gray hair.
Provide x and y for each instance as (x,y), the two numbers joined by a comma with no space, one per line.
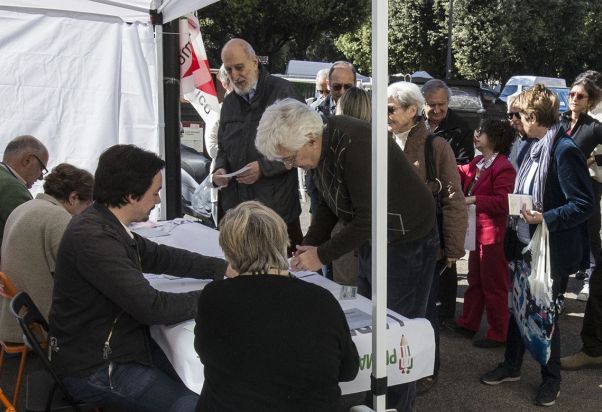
(406,94)
(433,85)
(322,75)
(287,124)
(254,238)
(23,145)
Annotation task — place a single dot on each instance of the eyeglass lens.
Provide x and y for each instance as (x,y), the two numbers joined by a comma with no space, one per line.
(577,96)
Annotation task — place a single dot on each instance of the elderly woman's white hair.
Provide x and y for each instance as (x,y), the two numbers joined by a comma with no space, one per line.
(287,124)
(406,94)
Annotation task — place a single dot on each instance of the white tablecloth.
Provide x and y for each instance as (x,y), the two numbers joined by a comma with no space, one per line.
(410,342)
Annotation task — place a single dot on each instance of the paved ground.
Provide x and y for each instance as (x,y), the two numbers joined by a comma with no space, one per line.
(458,388)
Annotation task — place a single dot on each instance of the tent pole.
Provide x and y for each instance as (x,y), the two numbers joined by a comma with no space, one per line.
(379,200)
(171,107)
(160,114)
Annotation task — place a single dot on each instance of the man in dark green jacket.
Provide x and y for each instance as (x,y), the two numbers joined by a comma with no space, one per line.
(24,162)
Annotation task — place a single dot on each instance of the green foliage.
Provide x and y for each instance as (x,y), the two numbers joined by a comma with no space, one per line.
(492,39)
(279,29)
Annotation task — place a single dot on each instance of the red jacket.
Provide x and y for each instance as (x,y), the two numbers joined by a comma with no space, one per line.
(491,192)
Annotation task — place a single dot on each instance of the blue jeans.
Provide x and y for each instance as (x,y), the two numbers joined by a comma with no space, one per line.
(410,272)
(132,387)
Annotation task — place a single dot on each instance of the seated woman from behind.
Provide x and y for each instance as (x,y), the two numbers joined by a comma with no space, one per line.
(269,341)
(32,235)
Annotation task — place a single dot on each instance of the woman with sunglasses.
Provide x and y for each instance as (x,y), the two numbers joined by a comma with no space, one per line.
(522,144)
(554,174)
(486,181)
(407,126)
(587,134)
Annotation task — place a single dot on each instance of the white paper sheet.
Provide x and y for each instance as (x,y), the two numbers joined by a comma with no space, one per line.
(516,202)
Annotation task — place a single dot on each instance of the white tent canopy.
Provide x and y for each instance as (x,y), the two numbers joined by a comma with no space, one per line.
(127,10)
(83,75)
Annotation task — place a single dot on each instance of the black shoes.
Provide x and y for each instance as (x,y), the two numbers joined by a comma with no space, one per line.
(487,343)
(467,333)
(547,393)
(500,374)
(425,384)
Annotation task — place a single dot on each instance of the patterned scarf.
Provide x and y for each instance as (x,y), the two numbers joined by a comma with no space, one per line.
(540,153)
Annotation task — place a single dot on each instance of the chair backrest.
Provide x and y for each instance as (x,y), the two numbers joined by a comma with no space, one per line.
(7,289)
(33,323)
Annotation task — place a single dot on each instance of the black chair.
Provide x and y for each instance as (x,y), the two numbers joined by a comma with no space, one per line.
(42,394)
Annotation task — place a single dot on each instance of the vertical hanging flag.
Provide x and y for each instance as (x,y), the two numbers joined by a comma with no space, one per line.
(196,83)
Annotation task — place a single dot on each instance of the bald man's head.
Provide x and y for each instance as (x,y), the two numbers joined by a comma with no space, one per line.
(241,64)
(27,156)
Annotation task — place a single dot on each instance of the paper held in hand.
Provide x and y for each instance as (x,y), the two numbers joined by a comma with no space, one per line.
(239,171)
(516,202)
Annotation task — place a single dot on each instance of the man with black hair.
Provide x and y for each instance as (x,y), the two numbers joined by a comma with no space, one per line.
(102,305)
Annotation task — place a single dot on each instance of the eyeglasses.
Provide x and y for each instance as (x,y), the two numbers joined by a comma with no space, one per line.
(42,165)
(578,96)
(392,109)
(337,86)
(289,161)
(325,91)
(510,115)
(478,132)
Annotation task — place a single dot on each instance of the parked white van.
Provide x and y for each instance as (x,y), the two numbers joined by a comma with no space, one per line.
(520,83)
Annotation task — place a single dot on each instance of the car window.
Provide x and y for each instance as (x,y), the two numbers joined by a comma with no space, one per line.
(465,99)
(563,94)
(507,91)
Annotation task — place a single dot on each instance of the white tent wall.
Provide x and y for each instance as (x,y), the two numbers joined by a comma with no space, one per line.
(79,84)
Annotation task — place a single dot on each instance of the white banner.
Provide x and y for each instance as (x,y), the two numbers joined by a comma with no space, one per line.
(196,84)
(78,85)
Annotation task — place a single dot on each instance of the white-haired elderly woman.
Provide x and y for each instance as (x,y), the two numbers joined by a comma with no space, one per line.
(407,127)
(269,341)
(339,156)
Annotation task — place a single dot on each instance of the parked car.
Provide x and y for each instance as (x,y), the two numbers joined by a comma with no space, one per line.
(468,100)
(520,83)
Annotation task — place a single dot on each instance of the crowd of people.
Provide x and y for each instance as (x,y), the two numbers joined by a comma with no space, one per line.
(72,250)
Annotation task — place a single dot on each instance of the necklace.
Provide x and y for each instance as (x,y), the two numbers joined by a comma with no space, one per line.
(270,271)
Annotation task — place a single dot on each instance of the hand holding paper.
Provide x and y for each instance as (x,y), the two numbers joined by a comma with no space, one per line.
(516,203)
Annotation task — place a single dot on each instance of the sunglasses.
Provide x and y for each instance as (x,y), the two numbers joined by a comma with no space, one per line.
(337,86)
(391,109)
(510,115)
(325,91)
(578,96)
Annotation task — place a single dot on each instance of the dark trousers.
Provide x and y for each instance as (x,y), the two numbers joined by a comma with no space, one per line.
(591,332)
(448,291)
(410,269)
(594,224)
(432,313)
(515,347)
(132,386)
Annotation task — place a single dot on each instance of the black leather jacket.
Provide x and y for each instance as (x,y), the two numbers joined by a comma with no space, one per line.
(102,305)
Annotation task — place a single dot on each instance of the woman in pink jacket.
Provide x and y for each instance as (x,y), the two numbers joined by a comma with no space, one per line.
(486,182)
